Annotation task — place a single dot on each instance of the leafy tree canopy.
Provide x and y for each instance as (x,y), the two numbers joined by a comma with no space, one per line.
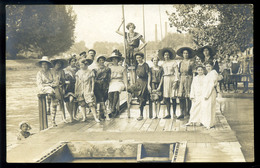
(228,27)
(45,28)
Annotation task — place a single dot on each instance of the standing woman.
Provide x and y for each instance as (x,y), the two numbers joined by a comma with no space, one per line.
(208,104)
(234,72)
(169,79)
(44,80)
(69,97)
(186,67)
(207,53)
(143,73)
(117,83)
(226,67)
(154,86)
(59,87)
(246,73)
(84,88)
(132,43)
(102,79)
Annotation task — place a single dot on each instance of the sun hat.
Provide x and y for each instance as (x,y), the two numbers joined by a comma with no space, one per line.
(212,50)
(83,53)
(24,122)
(190,50)
(163,50)
(64,62)
(101,56)
(115,54)
(92,50)
(88,59)
(44,59)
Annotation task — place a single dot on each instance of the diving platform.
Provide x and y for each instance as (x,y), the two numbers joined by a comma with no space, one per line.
(125,139)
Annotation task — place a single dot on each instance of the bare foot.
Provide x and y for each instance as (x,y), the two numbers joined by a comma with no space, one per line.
(97,120)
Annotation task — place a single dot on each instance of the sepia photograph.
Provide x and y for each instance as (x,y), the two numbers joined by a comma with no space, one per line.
(125,83)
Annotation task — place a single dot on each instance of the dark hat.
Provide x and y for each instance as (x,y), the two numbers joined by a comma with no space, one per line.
(101,56)
(64,63)
(92,50)
(83,53)
(212,50)
(24,122)
(115,54)
(170,50)
(190,50)
(44,59)
(139,53)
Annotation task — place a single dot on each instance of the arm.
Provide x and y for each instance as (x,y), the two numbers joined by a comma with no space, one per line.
(117,31)
(143,45)
(125,77)
(149,79)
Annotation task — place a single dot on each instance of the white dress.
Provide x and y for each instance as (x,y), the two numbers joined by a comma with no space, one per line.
(196,96)
(208,107)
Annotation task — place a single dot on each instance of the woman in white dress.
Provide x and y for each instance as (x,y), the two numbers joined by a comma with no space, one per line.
(196,96)
(208,104)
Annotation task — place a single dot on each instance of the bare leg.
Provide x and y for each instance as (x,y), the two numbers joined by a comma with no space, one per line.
(154,110)
(93,110)
(158,107)
(63,111)
(105,110)
(53,115)
(83,112)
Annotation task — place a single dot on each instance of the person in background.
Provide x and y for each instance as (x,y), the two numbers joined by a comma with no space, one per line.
(143,73)
(59,87)
(197,61)
(209,94)
(155,86)
(24,133)
(102,79)
(245,73)
(196,96)
(92,53)
(84,88)
(235,65)
(170,79)
(226,67)
(117,83)
(186,67)
(70,80)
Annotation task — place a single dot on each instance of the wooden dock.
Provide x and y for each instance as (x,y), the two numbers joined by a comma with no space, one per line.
(218,144)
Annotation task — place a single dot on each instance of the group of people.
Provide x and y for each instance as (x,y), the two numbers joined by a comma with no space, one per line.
(194,81)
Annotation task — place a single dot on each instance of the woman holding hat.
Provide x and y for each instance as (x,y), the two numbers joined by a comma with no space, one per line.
(70,80)
(169,79)
(102,79)
(186,67)
(132,43)
(154,86)
(140,87)
(44,80)
(59,87)
(118,81)
(84,88)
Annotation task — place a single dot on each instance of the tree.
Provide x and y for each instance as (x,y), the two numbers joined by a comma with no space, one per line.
(77,48)
(48,28)
(228,27)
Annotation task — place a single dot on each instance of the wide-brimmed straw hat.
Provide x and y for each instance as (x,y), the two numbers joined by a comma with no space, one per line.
(170,50)
(115,54)
(24,122)
(88,60)
(44,59)
(212,50)
(190,50)
(64,62)
(102,56)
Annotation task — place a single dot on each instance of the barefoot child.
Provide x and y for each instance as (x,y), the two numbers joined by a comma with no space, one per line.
(84,88)
(154,86)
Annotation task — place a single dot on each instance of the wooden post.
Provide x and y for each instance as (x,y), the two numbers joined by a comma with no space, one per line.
(42,111)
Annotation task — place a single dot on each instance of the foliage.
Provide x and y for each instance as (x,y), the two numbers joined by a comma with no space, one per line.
(45,28)
(77,48)
(104,47)
(228,27)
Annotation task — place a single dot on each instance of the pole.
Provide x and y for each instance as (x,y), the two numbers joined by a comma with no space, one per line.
(144,34)
(160,22)
(128,96)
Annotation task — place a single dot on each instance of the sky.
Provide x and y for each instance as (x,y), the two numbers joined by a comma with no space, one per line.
(99,22)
